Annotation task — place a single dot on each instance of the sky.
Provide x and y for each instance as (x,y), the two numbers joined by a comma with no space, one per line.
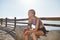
(19,8)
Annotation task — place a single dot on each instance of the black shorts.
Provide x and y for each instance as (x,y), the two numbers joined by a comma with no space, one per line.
(43,29)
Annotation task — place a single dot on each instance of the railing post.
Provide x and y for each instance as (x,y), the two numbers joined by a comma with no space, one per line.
(14,23)
(6,22)
(1,21)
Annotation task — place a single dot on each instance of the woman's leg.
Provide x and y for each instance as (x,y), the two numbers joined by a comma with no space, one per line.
(40,33)
(26,34)
(37,33)
(26,37)
(34,36)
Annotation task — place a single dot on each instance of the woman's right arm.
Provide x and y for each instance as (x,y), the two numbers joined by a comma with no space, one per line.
(29,23)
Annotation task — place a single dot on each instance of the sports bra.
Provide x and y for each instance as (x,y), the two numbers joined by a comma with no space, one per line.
(34,23)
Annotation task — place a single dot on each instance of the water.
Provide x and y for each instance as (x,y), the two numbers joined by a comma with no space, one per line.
(51,27)
(45,22)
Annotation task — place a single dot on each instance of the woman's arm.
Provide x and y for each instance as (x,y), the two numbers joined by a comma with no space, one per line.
(42,25)
(37,24)
(29,23)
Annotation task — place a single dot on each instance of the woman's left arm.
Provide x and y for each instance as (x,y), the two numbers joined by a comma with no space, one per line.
(42,25)
(37,25)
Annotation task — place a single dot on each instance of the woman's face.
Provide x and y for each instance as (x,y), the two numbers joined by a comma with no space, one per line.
(31,14)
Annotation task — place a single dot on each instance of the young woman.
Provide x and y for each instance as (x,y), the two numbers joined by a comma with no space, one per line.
(37,30)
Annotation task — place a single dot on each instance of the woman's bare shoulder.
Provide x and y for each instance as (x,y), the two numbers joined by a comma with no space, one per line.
(38,18)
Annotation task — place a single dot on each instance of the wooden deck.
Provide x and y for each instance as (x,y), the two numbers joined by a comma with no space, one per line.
(8,30)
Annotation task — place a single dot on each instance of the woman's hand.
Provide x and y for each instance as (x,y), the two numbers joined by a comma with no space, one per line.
(33,31)
(41,27)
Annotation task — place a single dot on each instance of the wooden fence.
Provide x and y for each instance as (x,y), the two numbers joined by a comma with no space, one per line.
(15,21)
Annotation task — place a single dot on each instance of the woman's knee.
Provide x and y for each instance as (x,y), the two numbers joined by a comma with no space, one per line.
(33,34)
(42,33)
(27,33)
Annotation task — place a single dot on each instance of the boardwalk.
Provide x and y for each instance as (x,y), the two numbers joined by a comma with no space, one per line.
(9,31)
(52,35)
(5,36)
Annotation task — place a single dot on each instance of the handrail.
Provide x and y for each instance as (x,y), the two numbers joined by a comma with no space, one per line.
(42,18)
(51,18)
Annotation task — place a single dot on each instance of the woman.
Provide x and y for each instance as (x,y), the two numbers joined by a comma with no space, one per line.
(37,30)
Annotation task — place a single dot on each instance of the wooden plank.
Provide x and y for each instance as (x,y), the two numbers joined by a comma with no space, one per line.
(55,25)
(51,18)
(42,18)
(19,22)
(6,22)
(1,21)
(14,23)
(22,19)
(8,31)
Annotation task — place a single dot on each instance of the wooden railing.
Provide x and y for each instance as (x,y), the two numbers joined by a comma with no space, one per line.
(15,21)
